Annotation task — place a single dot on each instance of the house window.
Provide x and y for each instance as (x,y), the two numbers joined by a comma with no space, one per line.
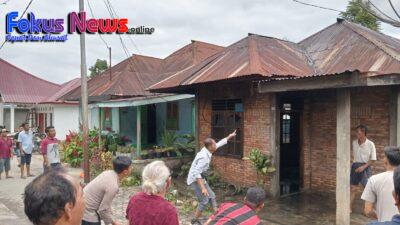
(172,116)
(285,128)
(227,115)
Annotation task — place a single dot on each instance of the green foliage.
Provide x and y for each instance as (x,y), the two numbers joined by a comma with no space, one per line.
(188,143)
(184,171)
(133,180)
(262,164)
(99,67)
(178,143)
(357,14)
(73,152)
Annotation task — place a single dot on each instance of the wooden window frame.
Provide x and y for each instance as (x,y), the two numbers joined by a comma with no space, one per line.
(226,108)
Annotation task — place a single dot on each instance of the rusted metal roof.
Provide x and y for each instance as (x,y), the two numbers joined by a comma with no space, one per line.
(132,77)
(175,65)
(19,86)
(128,78)
(346,46)
(56,98)
(341,47)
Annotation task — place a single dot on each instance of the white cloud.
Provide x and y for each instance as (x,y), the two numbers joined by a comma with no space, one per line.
(176,23)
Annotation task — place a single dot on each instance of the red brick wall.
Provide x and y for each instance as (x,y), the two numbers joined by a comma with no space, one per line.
(369,106)
(256,129)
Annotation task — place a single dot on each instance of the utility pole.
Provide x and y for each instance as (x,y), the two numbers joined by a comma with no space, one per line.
(109,51)
(84,103)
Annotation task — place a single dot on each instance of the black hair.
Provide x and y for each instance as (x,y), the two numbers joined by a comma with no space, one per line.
(46,196)
(363,128)
(48,129)
(392,154)
(255,196)
(121,163)
(396,181)
(24,123)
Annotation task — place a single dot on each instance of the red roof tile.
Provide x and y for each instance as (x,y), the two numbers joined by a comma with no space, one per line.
(65,88)
(19,86)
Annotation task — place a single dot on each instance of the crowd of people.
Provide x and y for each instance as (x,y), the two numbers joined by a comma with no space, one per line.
(21,147)
(56,198)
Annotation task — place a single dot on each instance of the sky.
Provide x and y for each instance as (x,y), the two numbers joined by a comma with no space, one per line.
(176,23)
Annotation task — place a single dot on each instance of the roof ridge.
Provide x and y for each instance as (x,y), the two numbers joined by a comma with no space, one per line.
(254,59)
(25,72)
(270,37)
(146,56)
(374,42)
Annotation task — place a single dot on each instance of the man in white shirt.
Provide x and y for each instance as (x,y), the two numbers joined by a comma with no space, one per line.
(364,154)
(195,179)
(379,202)
(25,140)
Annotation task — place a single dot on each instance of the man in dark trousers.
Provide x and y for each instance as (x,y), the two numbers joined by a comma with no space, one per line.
(195,179)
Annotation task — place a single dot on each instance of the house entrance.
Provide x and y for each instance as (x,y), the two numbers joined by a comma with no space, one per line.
(290,112)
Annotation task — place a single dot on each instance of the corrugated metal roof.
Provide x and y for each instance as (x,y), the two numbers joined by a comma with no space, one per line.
(128,78)
(19,86)
(132,77)
(341,47)
(346,46)
(65,88)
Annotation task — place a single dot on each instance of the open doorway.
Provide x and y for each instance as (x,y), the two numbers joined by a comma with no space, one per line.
(290,146)
(151,124)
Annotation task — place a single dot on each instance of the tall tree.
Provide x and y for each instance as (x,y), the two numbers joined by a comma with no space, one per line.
(99,67)
(358,12)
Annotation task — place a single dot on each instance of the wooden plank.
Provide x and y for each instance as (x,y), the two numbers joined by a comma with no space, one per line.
(343,157)
(138,131)
(327,82)
(274,144)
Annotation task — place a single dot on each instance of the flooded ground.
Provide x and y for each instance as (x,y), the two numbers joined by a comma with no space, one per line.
(308,208)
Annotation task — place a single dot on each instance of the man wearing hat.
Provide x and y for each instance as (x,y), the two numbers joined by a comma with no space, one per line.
(5,152)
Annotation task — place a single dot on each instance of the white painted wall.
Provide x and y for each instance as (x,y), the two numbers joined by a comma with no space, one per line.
(66,117)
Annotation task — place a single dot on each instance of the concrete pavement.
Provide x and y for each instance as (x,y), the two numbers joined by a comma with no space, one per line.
(11,193)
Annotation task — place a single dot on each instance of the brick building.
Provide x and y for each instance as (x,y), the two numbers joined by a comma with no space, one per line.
(299,102)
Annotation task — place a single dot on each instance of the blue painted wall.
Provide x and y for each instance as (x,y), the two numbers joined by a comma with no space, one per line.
(127,118)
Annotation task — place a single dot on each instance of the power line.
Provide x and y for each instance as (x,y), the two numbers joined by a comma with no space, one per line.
(124,48)
(129,37)
(91,12)
(26,9)
(388,19)
(377,9)
(317,6)
(395,11)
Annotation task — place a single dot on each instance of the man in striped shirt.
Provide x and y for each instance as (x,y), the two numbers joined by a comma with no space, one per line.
(240,213)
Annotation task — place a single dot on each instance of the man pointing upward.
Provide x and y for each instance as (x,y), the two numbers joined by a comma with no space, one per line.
(196,178)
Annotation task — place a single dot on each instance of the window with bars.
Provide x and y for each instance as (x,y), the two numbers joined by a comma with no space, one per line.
(227,115)
(172,122)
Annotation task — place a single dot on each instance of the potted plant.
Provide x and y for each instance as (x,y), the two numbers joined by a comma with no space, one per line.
(262,164)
